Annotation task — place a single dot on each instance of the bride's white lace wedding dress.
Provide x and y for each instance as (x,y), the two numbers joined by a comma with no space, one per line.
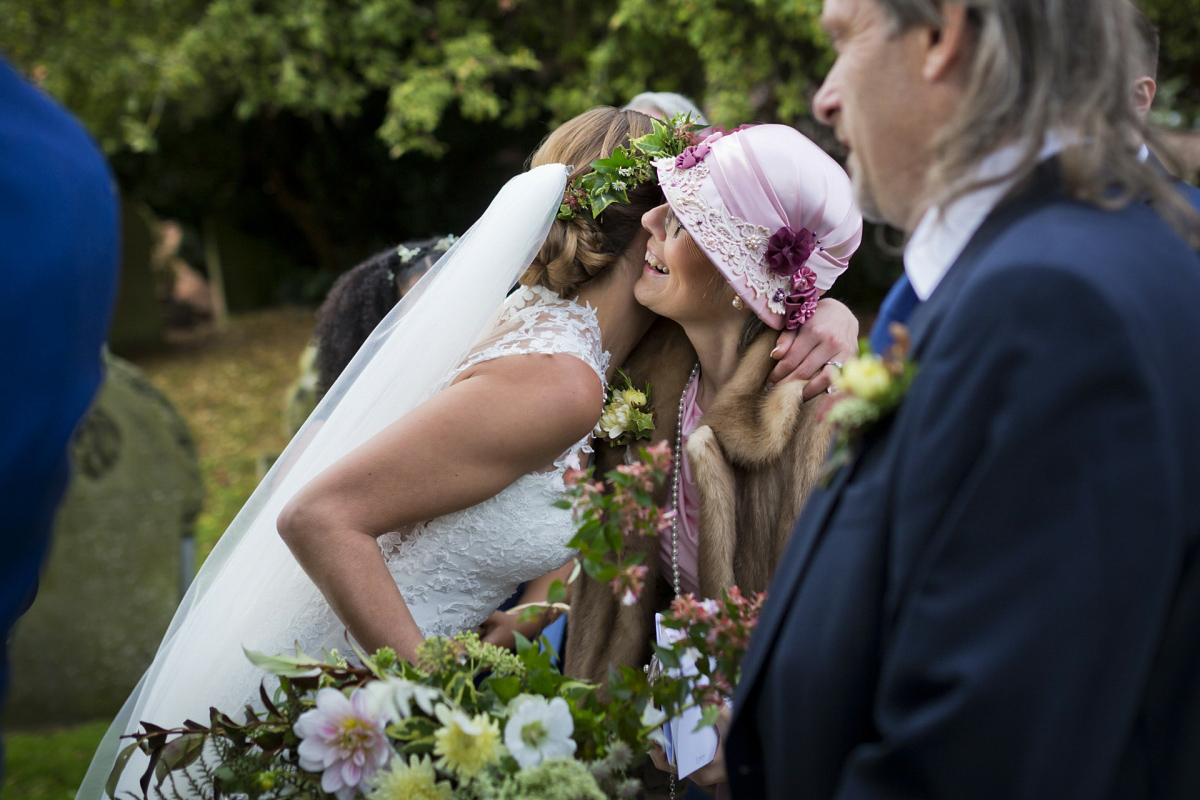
(455,570)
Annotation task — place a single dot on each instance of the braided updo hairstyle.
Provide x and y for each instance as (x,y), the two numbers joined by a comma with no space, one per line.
(581,249)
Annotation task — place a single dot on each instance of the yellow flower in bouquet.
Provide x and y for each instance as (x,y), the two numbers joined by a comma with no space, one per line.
(633,397)
(871,388)
(865,377)
(416,780)
(466,744)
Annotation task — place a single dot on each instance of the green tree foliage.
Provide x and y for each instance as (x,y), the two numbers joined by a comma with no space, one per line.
(1178,22)
(114,63)
(290,117)
(315,123)
(119,63)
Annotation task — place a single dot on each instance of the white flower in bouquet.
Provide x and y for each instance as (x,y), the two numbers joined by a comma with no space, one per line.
(465,744)
(342,738)
(539,729)
(393,698)
(614,421)
(414,780)
(653,717)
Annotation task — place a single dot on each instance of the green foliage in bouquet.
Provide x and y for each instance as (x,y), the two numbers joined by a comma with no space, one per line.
(612,513)
(716,632)
(720,629)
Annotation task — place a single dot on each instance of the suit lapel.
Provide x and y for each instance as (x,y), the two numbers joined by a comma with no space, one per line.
(805,536)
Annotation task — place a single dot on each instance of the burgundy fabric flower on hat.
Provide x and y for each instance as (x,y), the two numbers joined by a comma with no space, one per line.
(788,249)
(691,156)
(801,302)
(801,313)
(804,282)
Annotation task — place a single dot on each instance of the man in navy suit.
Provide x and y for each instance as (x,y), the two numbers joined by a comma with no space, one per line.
(58,269)
(999,596)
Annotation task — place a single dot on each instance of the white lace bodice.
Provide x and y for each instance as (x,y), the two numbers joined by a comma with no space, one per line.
(455,570)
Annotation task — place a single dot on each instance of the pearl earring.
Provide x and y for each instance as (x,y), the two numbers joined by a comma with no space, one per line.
(738,304)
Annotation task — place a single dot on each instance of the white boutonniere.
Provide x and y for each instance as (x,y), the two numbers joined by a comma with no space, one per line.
(870,388)
(627,415)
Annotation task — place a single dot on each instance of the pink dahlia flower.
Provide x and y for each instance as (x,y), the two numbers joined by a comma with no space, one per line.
(343,739)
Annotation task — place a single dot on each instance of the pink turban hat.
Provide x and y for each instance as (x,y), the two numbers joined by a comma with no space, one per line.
(773,212)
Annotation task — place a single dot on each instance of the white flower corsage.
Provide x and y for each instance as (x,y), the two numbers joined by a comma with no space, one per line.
(870,388)
(627,415)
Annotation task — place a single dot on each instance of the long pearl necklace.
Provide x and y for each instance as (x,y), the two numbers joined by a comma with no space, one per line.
(675,472)
(675,482)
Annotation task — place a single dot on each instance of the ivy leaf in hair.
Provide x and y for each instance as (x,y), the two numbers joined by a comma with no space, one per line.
(668,139)
(628,167)
(611,179)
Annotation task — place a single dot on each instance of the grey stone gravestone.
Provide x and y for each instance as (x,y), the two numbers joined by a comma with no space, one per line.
(137,323)
(251,267)
(113,578)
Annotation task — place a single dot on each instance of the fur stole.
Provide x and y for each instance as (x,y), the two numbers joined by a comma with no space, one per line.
(755,457)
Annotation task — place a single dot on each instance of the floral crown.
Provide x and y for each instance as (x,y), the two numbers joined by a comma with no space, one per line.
(610,179)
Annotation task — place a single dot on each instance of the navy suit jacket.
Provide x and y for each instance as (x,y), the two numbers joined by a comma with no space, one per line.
(1189,192)
(58,268)
(1000,597)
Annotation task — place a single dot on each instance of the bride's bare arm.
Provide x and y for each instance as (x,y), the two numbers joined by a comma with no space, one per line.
(505,418)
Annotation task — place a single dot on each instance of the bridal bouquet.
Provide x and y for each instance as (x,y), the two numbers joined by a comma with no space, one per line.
(467,720)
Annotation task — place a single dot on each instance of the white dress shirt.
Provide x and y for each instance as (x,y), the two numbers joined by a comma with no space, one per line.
(941,236)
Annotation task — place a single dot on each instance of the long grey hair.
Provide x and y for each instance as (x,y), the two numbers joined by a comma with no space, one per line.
(1053,65)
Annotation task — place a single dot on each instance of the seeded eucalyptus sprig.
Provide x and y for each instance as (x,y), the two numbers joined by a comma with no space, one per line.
(611,178)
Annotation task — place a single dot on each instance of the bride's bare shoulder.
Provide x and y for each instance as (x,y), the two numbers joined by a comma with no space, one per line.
(561,390)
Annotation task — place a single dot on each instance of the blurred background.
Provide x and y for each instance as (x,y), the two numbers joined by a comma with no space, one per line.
(262,148)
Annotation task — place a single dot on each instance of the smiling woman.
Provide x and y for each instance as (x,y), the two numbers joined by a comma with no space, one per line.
(735,254)
(680,281)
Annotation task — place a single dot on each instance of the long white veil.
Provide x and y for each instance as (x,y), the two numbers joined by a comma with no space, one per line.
(250,586)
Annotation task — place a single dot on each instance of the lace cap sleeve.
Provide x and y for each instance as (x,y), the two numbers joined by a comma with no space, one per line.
(536,320)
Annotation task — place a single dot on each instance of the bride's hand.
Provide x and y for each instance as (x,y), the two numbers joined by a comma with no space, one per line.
(830,336)
(498,630)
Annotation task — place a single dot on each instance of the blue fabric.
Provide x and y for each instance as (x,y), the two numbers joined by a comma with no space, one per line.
(1190,192)
(58,268)
(556,636)
(897,306)
(1000,596)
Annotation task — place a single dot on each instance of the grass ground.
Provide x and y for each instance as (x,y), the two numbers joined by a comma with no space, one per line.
(48,765)
(229,386)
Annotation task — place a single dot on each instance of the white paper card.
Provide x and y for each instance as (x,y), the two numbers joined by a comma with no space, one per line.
(687,748)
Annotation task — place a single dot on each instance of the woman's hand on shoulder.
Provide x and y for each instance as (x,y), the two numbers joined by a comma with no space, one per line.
(831,335)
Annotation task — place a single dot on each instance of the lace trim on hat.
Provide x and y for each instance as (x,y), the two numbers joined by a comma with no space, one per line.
(741,245)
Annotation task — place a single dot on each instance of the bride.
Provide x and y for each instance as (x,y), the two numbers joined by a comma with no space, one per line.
(419,493)
(457,418)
